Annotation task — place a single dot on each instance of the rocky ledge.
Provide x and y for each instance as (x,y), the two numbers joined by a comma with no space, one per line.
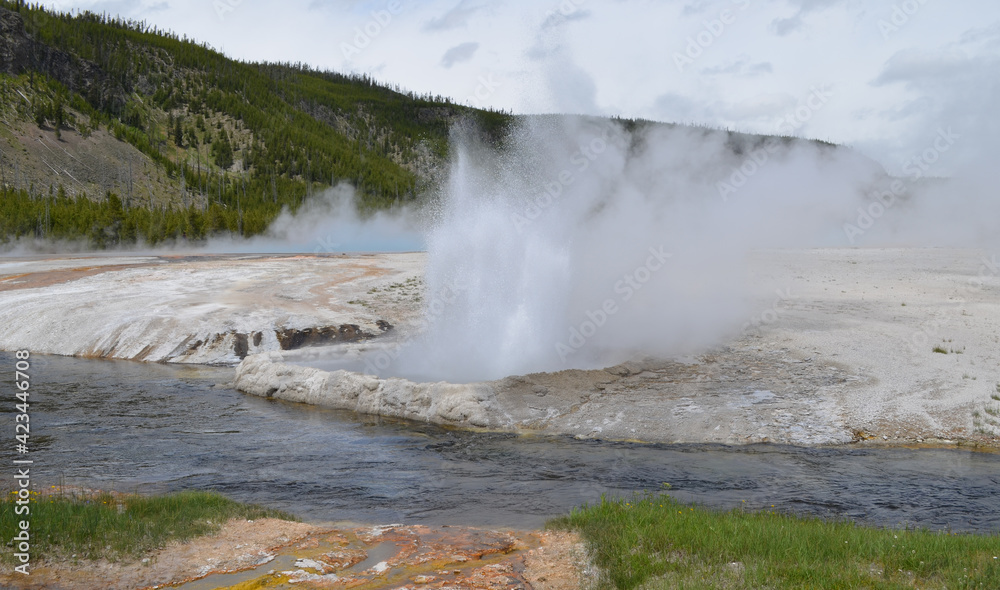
(874,346)
(267,375)
(733,396)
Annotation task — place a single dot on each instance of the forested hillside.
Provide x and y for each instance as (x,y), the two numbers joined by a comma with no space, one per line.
(114,131)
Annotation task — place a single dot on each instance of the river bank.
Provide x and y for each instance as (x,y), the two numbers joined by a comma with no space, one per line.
(880,346)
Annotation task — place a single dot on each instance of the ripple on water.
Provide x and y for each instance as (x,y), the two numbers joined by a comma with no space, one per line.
(152,427)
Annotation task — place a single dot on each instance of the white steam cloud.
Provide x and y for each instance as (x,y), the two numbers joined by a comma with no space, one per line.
(326,223)
(583,244)
(330,223)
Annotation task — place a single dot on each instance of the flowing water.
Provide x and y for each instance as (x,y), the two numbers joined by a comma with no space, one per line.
(151,428)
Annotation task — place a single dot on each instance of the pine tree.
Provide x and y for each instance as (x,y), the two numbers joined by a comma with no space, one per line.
(223,151)
(178,133)
(41,113)
(58,116)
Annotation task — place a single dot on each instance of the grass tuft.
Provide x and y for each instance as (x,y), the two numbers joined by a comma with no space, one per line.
(940,350)
(653,541)
(121,527)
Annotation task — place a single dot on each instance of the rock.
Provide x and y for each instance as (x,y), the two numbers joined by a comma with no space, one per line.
(292,338)
(343,558)
(241,345)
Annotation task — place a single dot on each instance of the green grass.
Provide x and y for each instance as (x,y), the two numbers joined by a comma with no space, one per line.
(122,527)
(656,542)
(940,350)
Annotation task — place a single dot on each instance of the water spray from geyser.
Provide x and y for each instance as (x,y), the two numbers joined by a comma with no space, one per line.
(582,244)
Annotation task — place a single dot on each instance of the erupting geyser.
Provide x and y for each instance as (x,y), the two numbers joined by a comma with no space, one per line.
(582,244)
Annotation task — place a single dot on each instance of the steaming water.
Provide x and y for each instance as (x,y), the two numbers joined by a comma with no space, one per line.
(328,223)
(583,245)
(133,426)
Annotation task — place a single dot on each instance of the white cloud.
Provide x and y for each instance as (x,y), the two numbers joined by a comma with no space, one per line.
(459,53)
(457,17)
(921,65)
(559,18)
(740,66)
(763,107)
(796,22)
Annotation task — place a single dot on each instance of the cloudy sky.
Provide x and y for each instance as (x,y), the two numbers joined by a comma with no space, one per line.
(885,76)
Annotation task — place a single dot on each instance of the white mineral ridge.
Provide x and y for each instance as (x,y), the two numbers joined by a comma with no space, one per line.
(472,404)
(838,346)
(189,309)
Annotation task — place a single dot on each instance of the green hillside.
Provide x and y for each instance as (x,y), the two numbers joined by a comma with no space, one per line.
(115,131)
